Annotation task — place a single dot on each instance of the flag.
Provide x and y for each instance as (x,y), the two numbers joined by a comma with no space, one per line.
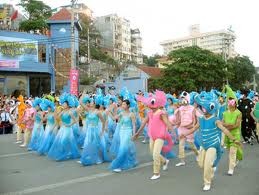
(14,16)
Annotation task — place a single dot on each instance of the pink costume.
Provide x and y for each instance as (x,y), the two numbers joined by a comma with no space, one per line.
(29,112)
(186,117)
(156,127)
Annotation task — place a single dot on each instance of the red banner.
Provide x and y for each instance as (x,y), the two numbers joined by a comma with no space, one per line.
(74,77)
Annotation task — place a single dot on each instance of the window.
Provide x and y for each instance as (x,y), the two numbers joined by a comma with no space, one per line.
(42,53)
(107,19)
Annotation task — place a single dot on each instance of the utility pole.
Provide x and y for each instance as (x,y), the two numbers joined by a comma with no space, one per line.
(73,64)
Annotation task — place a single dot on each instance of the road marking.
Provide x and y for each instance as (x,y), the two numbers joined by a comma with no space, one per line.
(15,154)
(77,180)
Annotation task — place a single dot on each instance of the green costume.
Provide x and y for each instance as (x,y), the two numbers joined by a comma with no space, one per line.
(231,118)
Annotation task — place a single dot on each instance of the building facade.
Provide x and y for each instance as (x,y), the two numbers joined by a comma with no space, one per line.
(117,37)
(81,8)
(33,64)
(136,46)
(220,42)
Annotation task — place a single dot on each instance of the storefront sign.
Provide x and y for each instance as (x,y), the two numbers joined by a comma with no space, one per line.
(18,49)
(74,76)
(9,64)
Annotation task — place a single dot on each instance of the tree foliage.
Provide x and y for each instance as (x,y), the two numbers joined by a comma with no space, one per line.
(242,69)
(194,68)
(151,60)
(37,13)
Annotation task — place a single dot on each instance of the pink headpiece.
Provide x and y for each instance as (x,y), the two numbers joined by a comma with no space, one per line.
(154,100)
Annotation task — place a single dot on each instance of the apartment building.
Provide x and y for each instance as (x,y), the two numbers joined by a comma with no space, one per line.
(221,41)
(136,46)
(117,38)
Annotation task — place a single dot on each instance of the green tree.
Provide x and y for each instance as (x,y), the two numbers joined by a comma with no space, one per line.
(151,60)
(194,68)
(37,13)
(242,69)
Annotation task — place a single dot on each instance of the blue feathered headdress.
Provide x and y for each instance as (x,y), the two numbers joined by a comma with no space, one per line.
(45,104)
(36,102)
(66,97)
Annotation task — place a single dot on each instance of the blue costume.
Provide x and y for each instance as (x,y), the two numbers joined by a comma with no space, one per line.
(37,133)
(64,146)
(93,152)
(126,156)
(210,134)
(48,136)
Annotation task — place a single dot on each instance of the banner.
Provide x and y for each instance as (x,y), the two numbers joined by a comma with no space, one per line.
(12,48)
(74,78)
(9,64)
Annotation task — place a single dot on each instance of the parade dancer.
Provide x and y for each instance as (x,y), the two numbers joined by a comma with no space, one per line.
(210,127)
(28,120)
(255,115)
(20,121)
(157,129)
(38,129)
(186,119)
(64,146)
(13,112)
(245,106)
(92,151)
(126,157)
(51,127)
(232,121)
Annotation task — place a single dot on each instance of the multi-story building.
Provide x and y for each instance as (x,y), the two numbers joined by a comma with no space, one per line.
(9,17)
(117,37)
(221,42)
(136,46)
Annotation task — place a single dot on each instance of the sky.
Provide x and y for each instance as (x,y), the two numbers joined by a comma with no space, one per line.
(159,20)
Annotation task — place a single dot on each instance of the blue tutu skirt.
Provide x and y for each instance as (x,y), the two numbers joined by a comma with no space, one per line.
(76,132)
(64,146)
(126,157)
(94,145)
(81,138)
(47,140)
(37,134)
(111,126)
(115,141)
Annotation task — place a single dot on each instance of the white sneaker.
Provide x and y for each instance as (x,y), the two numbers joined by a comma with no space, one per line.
(117,170)
(214,169)
(154,177)
(18,142)
(180,164)
(206,187)
(23,145)
(165,166)
(99,162)
(79,161)
(230,172)
(144,141)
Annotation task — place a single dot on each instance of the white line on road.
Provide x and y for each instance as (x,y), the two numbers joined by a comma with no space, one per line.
(15,154)
(77,180)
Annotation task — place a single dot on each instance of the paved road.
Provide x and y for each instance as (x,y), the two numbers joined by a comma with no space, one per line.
(23,172)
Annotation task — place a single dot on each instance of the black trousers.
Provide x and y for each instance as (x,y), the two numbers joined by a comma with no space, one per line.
(246,129)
